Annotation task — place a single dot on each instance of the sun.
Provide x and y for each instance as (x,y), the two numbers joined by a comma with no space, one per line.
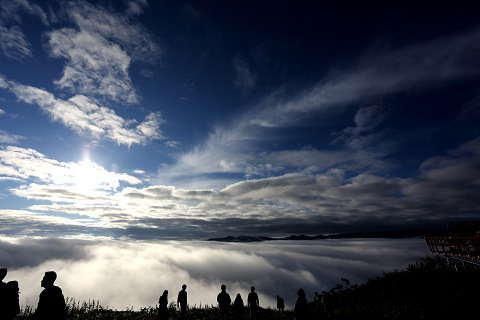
(89,178)
(85,177)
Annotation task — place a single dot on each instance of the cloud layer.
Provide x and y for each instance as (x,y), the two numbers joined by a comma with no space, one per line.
(446,188)
(124,274)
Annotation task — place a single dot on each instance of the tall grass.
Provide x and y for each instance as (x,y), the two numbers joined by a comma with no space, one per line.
(92,310)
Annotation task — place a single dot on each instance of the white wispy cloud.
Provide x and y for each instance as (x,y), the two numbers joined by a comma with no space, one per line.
(417,65)
(10,10)
(99,51)
(9,138)
(95,65)
(136,7)
(3,82)
(365,142)
(244,79)
(237,147)
(307,158)
(69,178)
(13,43)
(84,116)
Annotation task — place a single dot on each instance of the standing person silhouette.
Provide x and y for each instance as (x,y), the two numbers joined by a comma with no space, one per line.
(51,305)
(224,301)
(182,302)
(163,313)
(280,304)
(9,303)
(239,307)
(3,274)
(301,306)
(3,294)
(11,300)
(253,303)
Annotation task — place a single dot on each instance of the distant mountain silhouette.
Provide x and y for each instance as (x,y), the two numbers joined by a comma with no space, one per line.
(242,239)
(377,234)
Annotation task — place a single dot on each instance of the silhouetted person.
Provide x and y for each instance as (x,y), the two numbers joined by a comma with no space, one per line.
(9,305)
(280,304)
(301,306)
(239,307)
(163,313)
(3,274)
(253,303)
(11,300)
(3,293)
(182,302)
(223,299)
(51,305)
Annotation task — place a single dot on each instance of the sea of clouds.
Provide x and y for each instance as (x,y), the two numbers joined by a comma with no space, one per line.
(123,274)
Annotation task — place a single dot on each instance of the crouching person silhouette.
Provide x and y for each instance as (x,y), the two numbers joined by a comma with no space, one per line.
(51,305)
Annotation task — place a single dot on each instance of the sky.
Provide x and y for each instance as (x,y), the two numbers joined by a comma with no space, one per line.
(142,126)
(186,120)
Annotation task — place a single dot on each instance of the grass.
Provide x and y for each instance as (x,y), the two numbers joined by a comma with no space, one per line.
(92,310)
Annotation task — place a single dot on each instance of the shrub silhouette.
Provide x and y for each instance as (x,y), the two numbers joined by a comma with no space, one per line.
(429,289)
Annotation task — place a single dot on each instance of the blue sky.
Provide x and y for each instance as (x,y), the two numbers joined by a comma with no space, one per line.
(137,119)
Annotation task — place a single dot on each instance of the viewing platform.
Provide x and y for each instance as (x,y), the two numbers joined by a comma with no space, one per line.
(463,248)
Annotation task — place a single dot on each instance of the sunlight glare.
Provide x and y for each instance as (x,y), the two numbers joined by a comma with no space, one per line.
(85,178)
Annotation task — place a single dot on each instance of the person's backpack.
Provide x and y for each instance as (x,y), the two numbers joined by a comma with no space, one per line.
(11,295)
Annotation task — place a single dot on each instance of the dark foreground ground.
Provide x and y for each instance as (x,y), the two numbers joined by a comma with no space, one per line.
(430,289)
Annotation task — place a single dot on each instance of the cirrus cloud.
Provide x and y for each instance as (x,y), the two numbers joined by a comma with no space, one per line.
(99,51)
(84,116)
